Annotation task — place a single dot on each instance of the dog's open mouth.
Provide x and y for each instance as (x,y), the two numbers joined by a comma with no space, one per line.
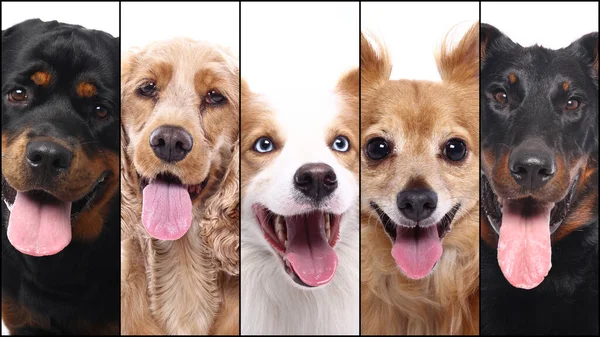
(167,205)
(39,223)
(524,227)
(416,249)
(305,243)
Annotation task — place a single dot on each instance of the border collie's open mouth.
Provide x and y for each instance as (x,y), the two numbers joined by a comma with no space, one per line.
(305,242)
(524,227)
(39,223)
(167,205)
(416,249)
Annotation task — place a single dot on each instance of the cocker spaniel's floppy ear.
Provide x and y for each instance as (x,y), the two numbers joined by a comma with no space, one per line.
(220,224)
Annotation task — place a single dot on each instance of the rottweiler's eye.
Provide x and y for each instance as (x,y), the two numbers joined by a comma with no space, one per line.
(264,145)
(572,104)
(341,144)
(378,148)
(17,95)
(148,89)
(214,98)
(455,149)
(500,96)
(100,112)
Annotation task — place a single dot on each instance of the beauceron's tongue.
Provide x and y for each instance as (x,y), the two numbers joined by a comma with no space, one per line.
(39,227)
(524,251)
(308,252)
(416,250)
(167,210)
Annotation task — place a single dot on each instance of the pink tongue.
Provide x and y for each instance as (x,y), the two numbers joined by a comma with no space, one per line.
(524,251)
(39,228)
(309,252)
(167,210)
(417,252)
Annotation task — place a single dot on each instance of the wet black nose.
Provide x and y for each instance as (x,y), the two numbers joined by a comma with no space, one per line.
(47,158)
(171,143)
(417,204)
(530,168)
(316,180)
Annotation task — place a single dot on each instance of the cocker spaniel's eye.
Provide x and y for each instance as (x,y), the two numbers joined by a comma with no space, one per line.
(213,97)
(148,89)
(17,95)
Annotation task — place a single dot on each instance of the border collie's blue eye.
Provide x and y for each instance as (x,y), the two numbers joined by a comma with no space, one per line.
(264,145)
(341,144)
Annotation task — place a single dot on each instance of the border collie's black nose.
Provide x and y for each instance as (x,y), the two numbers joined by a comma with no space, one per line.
(417,204)
(47,159)
(171,143)
(315,180)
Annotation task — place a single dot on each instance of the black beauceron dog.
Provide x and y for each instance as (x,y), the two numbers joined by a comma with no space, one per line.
(60,180)
(539,186)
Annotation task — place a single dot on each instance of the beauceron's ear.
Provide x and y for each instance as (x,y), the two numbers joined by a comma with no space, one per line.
(375,65)
(492,39)
(586,49)
(461,63)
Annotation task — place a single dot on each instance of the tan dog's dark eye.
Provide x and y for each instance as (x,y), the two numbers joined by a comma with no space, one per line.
(17,96)
(455,149)
(214,98)
(572,104)
(378,148)
(148,89)
(501,97)
(100,112)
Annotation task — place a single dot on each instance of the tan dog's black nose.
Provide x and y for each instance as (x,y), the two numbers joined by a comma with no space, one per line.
(315,180)
(47,159)
(171,143)
(417,204)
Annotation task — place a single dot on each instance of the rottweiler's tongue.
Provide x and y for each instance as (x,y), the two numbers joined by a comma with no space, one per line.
(39,227)
(524,251)
(312,258)
(416,250)
(167,210)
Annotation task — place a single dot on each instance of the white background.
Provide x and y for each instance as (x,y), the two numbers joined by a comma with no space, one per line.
(550,24)
(145,22)
(99,15)
(413,31)
(307,44)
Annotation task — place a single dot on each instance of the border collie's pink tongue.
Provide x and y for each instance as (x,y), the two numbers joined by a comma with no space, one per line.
(309,252)
(524,251)
(167,210)
(416,250)
(39,228)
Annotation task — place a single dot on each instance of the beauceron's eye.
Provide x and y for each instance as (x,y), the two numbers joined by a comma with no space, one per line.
(455,149)
(500,96)
(572,104)
(17,95)
(100,112)
(214,98)
(264,145)
(340,144)
(148,89)
(378,148)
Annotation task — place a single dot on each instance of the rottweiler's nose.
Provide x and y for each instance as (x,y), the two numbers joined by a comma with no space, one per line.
(47,158)
(417,204)
(171,143)
(532,169)
(315,180)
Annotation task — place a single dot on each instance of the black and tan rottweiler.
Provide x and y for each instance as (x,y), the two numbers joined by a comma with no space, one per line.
(539,186)
(60,179)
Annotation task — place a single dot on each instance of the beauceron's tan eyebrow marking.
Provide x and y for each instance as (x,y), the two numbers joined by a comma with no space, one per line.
(86,90)
(41,78)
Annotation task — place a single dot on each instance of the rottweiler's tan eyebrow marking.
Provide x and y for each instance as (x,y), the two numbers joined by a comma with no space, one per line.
(512,78)
(41,78)
(86,90)
(565,85)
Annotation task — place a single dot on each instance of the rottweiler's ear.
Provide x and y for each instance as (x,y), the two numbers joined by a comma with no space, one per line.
(375,64)
(586,49)
(491,39)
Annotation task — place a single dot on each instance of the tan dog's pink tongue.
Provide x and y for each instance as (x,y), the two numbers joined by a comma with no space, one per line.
(524,251)
(416,253)
(39,228)
(167,210)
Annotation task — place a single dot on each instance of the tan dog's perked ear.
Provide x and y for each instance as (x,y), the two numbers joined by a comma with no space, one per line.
(375,63)
(461,63)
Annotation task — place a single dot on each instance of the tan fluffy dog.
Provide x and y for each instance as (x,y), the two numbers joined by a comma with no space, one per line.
(413,134)
(187,283)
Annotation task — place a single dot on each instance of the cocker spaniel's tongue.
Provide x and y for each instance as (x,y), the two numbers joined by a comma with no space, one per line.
(309,253)
(416,250)
(524,251)
(39,227)
(167,210)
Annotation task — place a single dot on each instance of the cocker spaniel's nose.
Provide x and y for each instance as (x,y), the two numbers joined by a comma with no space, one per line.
(171,143)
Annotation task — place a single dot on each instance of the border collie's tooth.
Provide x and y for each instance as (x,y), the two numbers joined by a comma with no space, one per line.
(280,229)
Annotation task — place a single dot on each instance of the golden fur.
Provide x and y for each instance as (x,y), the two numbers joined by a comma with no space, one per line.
(187,286)
(419,116)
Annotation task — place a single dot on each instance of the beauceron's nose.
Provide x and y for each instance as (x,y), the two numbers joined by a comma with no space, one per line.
(47,158)
(315,180)
(171,143)
(532,167)
(417,204)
